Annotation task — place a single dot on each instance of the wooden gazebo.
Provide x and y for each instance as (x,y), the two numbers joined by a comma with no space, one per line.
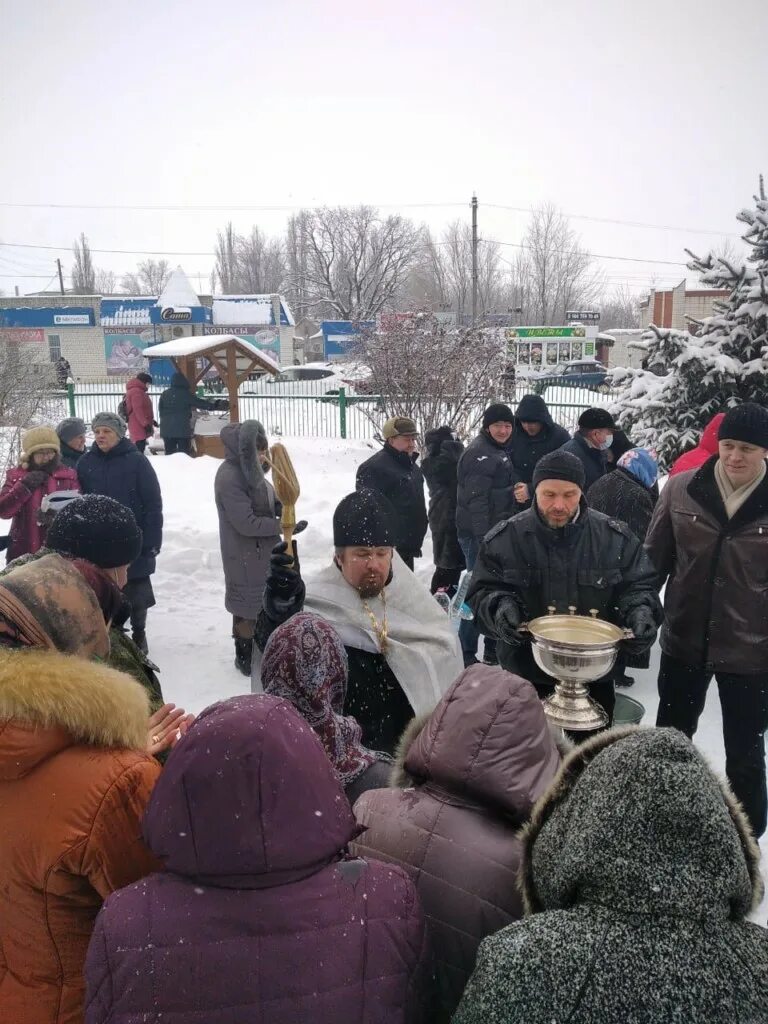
(233,359)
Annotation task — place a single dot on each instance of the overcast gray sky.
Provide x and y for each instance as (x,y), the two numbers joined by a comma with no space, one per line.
(650,112)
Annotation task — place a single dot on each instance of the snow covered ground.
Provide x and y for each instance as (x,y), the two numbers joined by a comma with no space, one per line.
(190,630)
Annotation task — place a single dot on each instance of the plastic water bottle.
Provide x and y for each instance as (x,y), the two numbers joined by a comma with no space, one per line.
(459,608)
(444,601)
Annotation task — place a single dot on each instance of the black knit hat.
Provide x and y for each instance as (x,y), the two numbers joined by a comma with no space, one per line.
(363,519)
(498,413)
(596,419)
(559,465)
(746,422)
(98,529)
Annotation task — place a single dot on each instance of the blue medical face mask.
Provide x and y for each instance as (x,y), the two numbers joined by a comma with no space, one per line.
(606,444)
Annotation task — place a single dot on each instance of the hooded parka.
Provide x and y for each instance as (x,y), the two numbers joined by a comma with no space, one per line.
(258,917)
(524,450)
(175,408)
(639,871)
(140,412)
(74,781)
(705,449)
(467,778)
(248,529)
(440,466)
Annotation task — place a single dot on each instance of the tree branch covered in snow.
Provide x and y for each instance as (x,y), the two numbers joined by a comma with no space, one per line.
(723,364)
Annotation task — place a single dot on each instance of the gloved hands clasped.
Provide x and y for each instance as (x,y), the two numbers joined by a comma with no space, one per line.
(642,623)
(34,478)
(507,622)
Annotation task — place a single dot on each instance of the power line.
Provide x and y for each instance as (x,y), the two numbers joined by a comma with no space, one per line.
(622,223)
(593,255)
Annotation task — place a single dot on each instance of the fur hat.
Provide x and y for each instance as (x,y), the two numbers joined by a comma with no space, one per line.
(747,422)
(498,413)
(399,426)
(98,529)
(70,428)
(559,465)
(363,519)
(38,439)
(596,419)
(111,421)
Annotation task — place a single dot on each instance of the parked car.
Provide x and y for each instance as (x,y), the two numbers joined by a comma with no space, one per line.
(578,373)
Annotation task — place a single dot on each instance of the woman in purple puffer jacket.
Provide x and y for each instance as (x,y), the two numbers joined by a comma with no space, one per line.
(260,917)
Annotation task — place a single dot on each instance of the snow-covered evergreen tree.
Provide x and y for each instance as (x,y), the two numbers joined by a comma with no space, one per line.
(687,378)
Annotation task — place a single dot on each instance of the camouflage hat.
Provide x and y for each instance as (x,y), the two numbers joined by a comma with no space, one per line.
(399,426)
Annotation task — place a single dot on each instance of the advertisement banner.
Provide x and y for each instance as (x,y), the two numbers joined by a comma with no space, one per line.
(124,350)
(21,336)
(266,339)
(544,332)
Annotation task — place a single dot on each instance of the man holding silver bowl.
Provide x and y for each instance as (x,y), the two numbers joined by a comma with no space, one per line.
(561,557)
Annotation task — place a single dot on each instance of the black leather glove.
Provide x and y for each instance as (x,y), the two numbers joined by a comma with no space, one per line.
(506,621)
(284,588)
(642,623)
(34,478)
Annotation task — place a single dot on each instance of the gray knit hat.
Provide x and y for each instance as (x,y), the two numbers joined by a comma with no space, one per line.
(111,421)
(70,428)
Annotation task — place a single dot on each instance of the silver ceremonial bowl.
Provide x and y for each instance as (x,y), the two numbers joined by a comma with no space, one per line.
(575,650)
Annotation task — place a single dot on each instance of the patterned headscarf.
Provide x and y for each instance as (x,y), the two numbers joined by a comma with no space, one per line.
(641,463)
(305,662)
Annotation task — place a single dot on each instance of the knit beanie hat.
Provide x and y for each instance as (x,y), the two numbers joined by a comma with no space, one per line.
(596,419)
(38,439)
(746,422)
(111,421)
(498,413)
(559,465)
(98,529)
(363,519)
(641,464)
(70,428)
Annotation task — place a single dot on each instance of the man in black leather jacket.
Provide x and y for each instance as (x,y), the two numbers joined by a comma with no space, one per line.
(561,553)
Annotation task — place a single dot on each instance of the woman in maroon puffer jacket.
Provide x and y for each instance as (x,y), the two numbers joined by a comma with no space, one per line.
(470,774)
(259,917)
(39,473)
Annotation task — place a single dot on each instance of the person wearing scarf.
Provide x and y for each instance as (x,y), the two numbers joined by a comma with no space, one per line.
(305,663)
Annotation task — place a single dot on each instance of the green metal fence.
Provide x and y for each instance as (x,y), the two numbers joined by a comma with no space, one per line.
(310,412)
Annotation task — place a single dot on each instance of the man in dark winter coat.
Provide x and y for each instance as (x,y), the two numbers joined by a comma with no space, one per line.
(709,541)
(562,554)
(535,434)
(403,654)
(71,433)
(248,529)
(485,497)
(638,874)
(590,443)
(175,407)
(439,467)
(394,473)
(260,915)
(113,466)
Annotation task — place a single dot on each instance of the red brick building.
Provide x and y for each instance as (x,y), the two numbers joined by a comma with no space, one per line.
(673,307)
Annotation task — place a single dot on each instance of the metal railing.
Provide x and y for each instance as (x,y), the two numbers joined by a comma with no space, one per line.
(314,411)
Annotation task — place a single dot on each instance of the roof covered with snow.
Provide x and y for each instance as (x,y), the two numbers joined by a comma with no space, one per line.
(133,311)
(178,292)
(249,309)
(182,347)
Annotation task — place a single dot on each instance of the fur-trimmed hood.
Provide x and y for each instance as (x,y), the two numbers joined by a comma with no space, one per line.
(49,701)
(636,821)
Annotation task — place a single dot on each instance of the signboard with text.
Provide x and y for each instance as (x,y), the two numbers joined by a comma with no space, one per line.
(21,336)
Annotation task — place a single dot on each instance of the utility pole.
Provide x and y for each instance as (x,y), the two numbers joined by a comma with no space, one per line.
(474,259)
(61,278)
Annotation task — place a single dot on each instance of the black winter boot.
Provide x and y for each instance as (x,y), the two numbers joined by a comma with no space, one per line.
(243,653)
(139,637)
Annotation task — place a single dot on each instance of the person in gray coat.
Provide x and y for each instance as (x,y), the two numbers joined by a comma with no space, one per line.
(639,871)
(249,528)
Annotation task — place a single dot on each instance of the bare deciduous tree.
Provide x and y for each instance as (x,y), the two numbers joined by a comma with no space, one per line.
(354,261)
(83,270)
(249,264)
(620,308)
(150,278)
(432,373)
(25,384)
(552,271)
(106,282)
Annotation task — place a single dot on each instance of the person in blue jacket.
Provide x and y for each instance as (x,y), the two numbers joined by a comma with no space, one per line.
(114,466)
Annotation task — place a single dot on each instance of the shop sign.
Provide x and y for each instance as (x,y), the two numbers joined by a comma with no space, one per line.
(71,320)
(21,336)
(176,315)
(583,316)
